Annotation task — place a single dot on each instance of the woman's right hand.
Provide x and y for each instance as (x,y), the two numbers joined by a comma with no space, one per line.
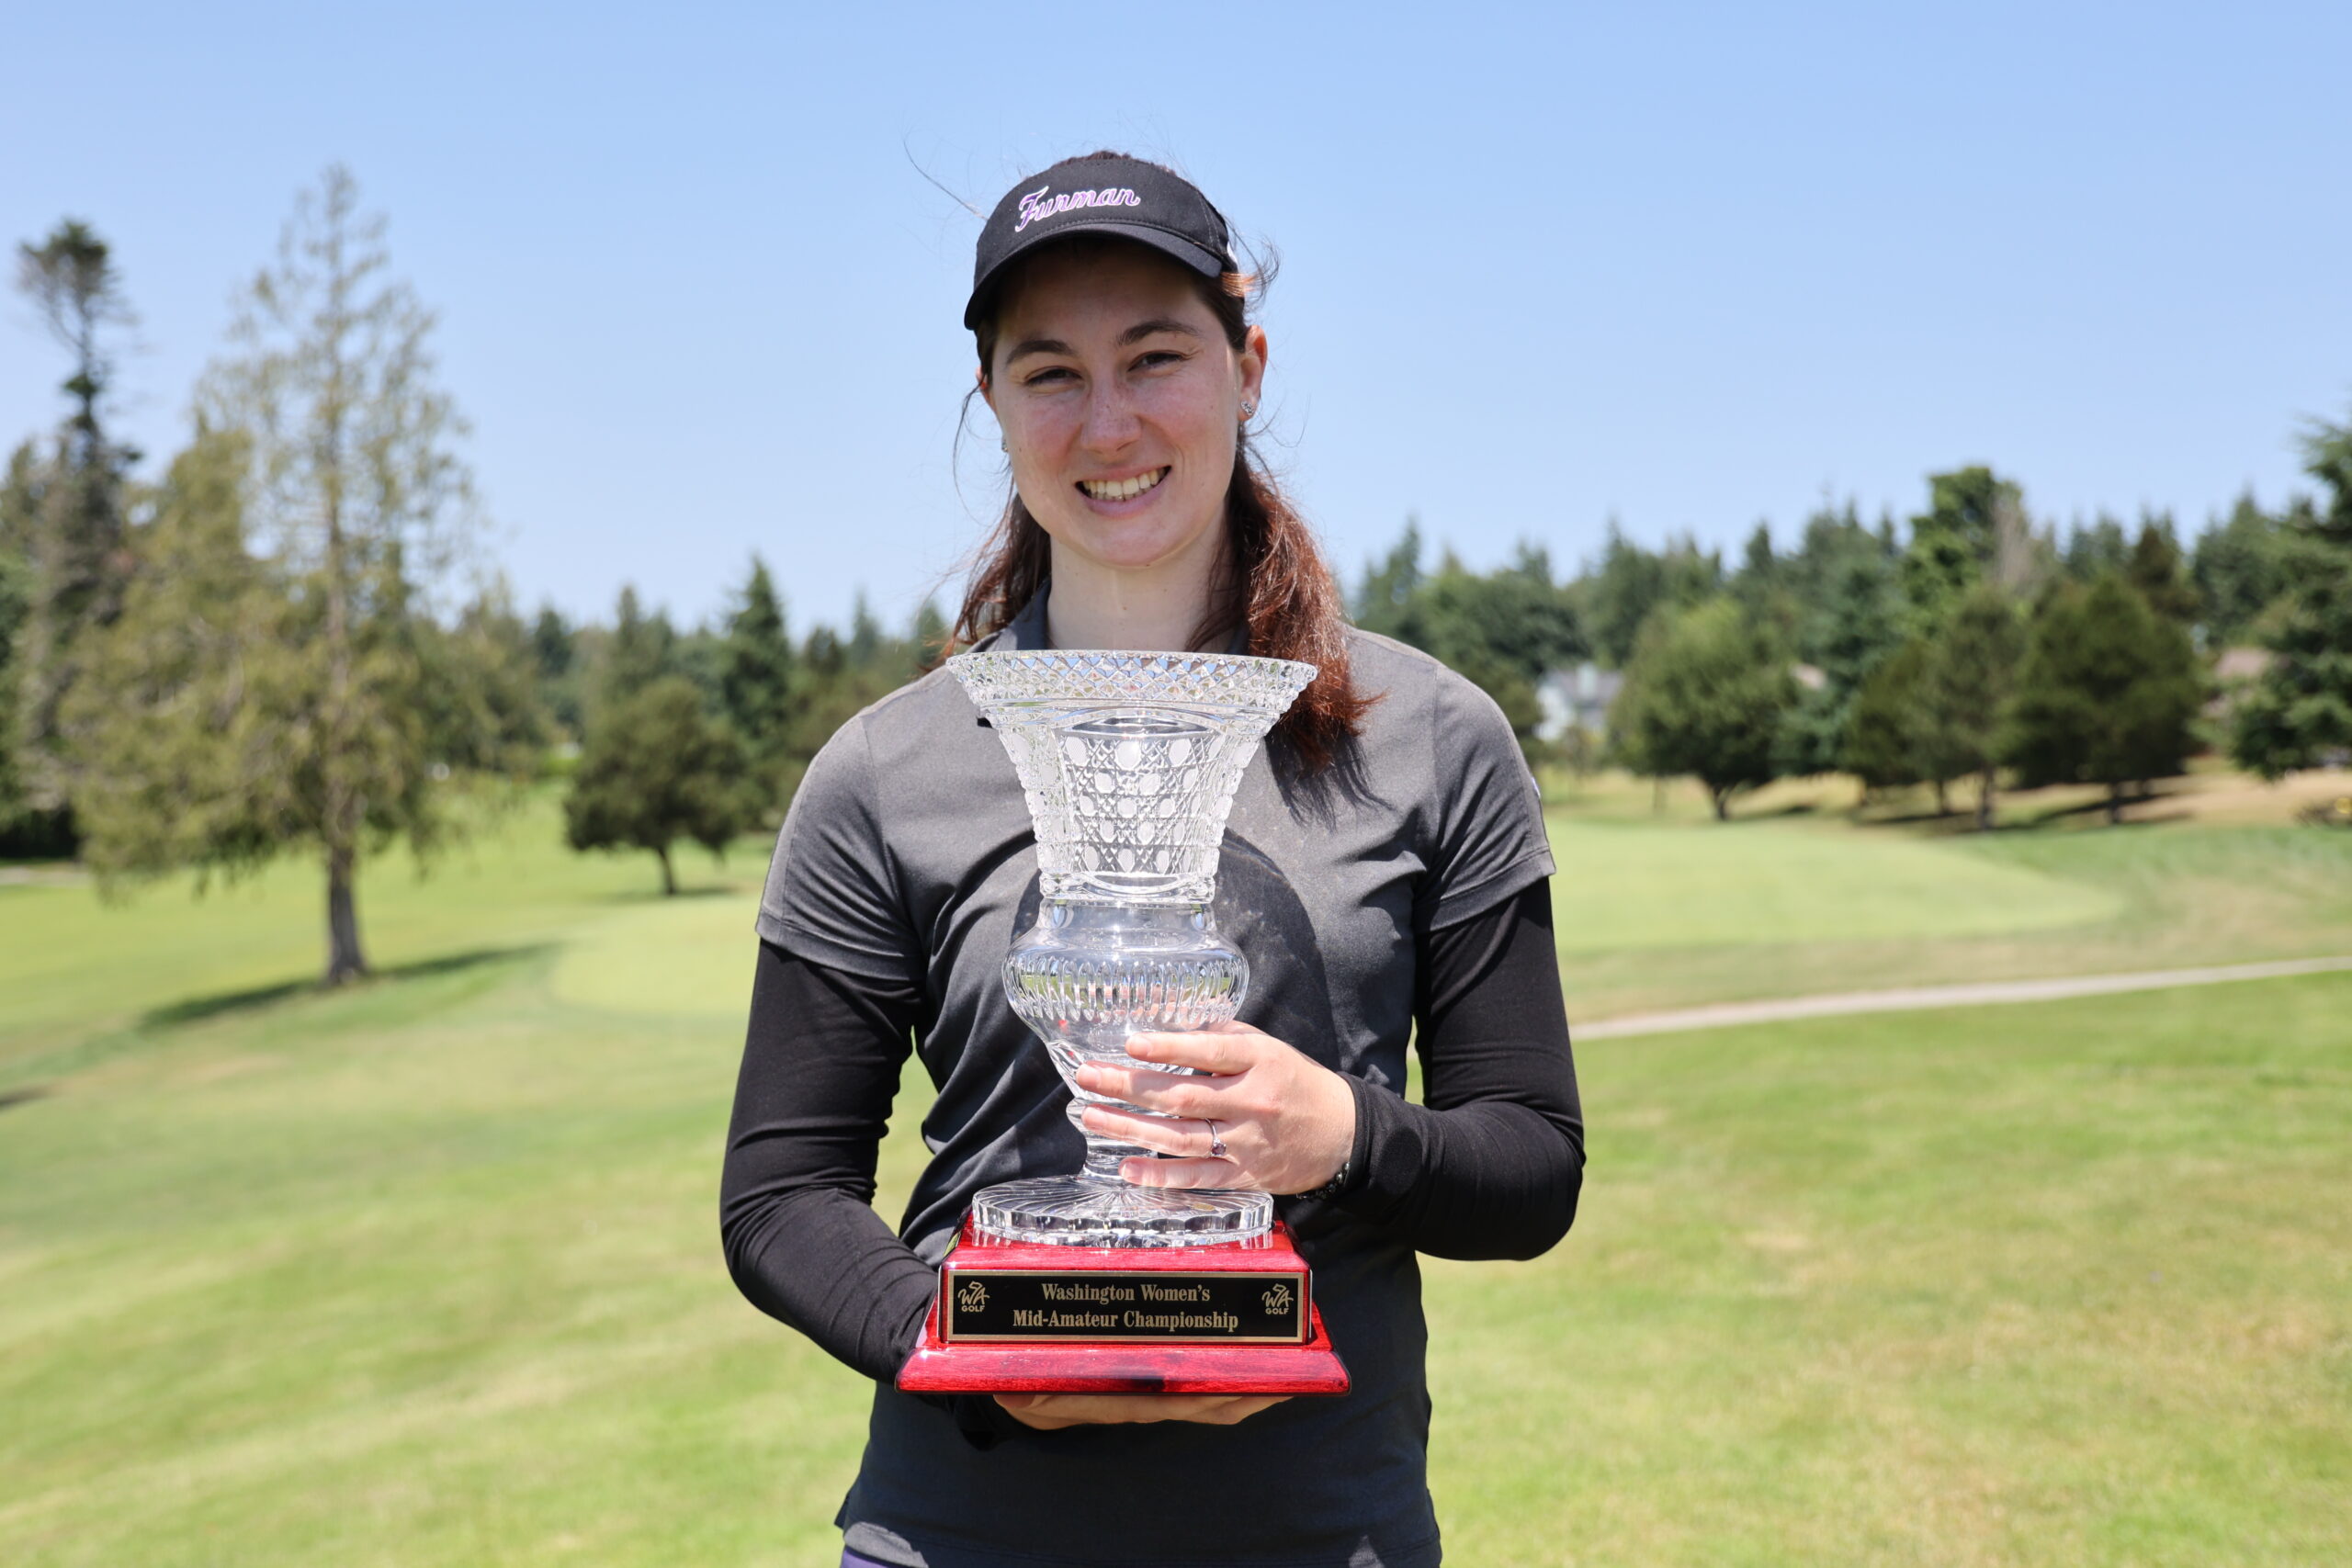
(1052,1412)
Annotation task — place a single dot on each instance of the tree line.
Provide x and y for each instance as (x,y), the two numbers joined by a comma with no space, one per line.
(1971,643)
(287,641)
(702,736)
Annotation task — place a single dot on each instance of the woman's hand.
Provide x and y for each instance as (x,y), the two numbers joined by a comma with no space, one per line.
(1285,1124)
(1052,1412)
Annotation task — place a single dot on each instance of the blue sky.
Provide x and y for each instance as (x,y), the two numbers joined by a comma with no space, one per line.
(1689,266)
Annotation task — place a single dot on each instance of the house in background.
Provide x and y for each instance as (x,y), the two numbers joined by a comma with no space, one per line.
(1577,699)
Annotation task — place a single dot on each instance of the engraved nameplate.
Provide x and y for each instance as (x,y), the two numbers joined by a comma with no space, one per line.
(1009,1305)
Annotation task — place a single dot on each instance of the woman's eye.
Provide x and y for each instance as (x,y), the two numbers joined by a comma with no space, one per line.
(1050,374)
(1158,359)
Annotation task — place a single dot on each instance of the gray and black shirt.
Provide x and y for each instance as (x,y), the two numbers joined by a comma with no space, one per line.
(1403,885)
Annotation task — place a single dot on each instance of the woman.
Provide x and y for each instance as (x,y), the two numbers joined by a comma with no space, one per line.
(1384,868)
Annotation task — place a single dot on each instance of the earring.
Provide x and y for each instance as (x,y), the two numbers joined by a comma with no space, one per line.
(1000,445)
(1248,409)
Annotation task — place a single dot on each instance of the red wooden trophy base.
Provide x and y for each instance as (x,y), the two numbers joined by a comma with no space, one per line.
(1235,1318)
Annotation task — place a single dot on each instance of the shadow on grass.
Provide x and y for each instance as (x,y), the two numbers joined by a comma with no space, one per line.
(683,896)
(11,1099)
(197,1009)
(2098,807)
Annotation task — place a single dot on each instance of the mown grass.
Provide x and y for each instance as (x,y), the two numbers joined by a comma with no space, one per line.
(427,1272)
(2062,1283)
(1674,909)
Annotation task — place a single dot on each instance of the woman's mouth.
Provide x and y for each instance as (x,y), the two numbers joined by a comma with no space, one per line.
(1122,489)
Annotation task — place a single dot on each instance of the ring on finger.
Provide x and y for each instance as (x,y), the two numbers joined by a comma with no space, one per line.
(1216,1144)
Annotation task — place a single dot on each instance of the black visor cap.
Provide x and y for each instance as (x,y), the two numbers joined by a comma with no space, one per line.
(1124,198)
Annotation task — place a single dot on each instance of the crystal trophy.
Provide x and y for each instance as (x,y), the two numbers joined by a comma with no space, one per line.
(1085,1282)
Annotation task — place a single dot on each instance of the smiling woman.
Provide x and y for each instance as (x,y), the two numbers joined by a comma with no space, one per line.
(1383,867)
(1120,361)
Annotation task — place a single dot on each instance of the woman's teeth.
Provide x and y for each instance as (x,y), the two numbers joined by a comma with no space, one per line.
(1122,489)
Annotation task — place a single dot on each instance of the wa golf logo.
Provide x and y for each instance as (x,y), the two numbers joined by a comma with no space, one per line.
(1036,205)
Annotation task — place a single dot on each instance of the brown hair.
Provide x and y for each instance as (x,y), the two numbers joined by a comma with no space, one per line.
(1275,581)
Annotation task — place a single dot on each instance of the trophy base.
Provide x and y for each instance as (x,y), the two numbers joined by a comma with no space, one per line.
(1234,1318)
(1078,1211)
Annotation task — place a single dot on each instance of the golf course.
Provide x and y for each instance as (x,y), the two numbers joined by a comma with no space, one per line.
(425,1272)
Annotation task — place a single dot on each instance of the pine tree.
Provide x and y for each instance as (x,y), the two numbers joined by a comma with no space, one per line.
(1958,541)
(1882,744)
(2101,547)
(642,650)
(72,502)
(656,768)
(189,731)
(327,730)
(2243,565)
(2328,457)
(1849,634)
(555,654)
(1391,584)
(1964,688)
(1616,598)
(756,671)
(2158,571)
(864,647)
(2106,692)
(2300,714)
(927,638)
(20,507)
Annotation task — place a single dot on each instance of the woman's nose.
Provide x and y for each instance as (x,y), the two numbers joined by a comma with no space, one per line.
(1111,422)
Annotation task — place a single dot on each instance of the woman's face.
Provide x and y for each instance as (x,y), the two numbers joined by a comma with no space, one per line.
(1120,401)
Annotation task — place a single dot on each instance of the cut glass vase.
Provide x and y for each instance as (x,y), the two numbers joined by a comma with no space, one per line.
(1129,762)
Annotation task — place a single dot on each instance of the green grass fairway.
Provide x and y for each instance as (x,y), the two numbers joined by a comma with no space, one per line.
(2067,1284)
(1668,913)
(427,1273)
(1624,887)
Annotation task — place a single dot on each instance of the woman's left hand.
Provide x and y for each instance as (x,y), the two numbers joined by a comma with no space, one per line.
(1286,1124)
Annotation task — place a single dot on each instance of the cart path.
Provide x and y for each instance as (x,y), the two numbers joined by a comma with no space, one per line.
(1918,997)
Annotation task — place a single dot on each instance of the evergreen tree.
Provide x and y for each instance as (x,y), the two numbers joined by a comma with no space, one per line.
(2243,565)
(656,768)
(2092,552)
(1958,541)
(1504,629)
(864,647)
(1617,596)
(555,657)
(352,481)
(1963,691)
(2106,692)
(2300,714)
(480,690)
(1391,584)
(1849,636)
(1763,587)
(756,669)
(1834,545)
(641,651)
(2328,457)
(72,503)
(2158,571)
(928,639)
(1704,695)
(189,729)
(1882,741)
(19,507)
